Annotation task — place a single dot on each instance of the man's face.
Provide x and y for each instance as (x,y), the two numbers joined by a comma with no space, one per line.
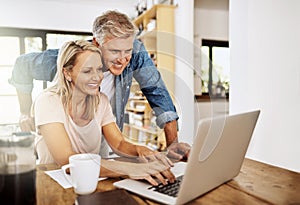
(116,54)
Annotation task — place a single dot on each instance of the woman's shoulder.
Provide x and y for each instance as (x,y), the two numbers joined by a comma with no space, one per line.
(48,93)
(103,97)
(47,96)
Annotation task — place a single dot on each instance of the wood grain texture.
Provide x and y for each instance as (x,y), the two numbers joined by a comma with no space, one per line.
(269,183)
(257,183)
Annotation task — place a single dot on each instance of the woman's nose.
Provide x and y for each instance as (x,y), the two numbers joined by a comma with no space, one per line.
(97,75)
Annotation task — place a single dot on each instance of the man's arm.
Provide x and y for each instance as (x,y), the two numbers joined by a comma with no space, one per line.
(26,122)
(171,132)
(25,100)
(159,99)
(176,150)
(38,66)
(152,85)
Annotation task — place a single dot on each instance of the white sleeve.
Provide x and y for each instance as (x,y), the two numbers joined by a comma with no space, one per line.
(48,109)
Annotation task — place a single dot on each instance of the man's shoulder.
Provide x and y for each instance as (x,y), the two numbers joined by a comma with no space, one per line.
(137,46)
(39,56)
(52,51)
(139,51)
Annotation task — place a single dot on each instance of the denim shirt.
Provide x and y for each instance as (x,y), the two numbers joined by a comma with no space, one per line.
(42,66)
(141,67)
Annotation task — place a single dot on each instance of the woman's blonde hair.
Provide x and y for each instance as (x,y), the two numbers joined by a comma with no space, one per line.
(113,24)
(66,60)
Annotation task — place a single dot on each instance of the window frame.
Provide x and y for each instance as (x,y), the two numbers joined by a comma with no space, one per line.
(210,44)
(23,33)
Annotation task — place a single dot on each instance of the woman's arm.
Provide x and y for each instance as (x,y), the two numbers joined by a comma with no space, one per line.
(148,171)
(120,146)
(57,142)
(60,148)
(117,142)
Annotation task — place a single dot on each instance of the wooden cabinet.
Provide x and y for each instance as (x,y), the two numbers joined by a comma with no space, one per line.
(141,127)
(157,33)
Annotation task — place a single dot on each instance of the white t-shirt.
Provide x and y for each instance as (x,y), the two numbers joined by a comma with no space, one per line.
(48,108)
(107,85)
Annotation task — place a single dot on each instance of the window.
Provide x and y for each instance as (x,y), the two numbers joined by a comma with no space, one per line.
(215,68)
(13,43)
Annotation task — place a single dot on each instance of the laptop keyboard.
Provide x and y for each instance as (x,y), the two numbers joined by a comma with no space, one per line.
(169,189)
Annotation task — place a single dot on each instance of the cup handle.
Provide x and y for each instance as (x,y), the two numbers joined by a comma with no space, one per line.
(68,178)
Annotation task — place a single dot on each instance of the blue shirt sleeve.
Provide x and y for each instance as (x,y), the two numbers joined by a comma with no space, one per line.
(36,65)
(152,85)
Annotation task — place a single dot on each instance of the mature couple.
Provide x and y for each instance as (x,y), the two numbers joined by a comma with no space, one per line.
(72,115)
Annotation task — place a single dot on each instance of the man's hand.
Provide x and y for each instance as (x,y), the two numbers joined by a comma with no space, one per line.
(179,150)
(147,155)
(26,123)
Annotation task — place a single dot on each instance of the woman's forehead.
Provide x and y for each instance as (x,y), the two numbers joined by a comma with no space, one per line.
(88,59)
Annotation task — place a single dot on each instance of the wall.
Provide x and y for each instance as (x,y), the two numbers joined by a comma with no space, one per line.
(58,14)
(211,21)
(265,74)
(184,86)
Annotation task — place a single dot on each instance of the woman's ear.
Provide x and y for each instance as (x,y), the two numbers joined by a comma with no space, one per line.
(67,75)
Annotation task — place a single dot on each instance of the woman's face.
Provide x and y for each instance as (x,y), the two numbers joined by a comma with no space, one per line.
(117,54)
(87,73)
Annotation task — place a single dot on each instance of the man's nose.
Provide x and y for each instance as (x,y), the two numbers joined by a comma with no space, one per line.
(122,60)
(122,56)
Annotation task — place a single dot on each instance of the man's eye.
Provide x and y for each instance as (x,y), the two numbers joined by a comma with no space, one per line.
(114,52)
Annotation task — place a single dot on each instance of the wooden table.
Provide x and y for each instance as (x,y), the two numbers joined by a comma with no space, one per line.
(257,183)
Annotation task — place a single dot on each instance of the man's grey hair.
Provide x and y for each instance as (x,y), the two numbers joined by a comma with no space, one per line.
(113,24)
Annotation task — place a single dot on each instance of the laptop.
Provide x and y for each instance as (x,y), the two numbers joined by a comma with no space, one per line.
(216,157)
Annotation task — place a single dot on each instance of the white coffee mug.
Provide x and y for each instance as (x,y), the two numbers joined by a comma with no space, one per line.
(84,170)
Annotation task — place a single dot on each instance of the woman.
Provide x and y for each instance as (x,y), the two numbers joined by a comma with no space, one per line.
(72,115)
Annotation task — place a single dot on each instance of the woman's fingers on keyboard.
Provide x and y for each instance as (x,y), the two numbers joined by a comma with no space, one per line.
(150,179)
(169,175)
(161,178)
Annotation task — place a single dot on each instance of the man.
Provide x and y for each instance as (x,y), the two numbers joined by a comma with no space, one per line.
(124,57)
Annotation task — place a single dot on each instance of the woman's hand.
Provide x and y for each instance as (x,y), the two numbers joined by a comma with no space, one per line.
(147,155)
(151,171)
(154,172)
